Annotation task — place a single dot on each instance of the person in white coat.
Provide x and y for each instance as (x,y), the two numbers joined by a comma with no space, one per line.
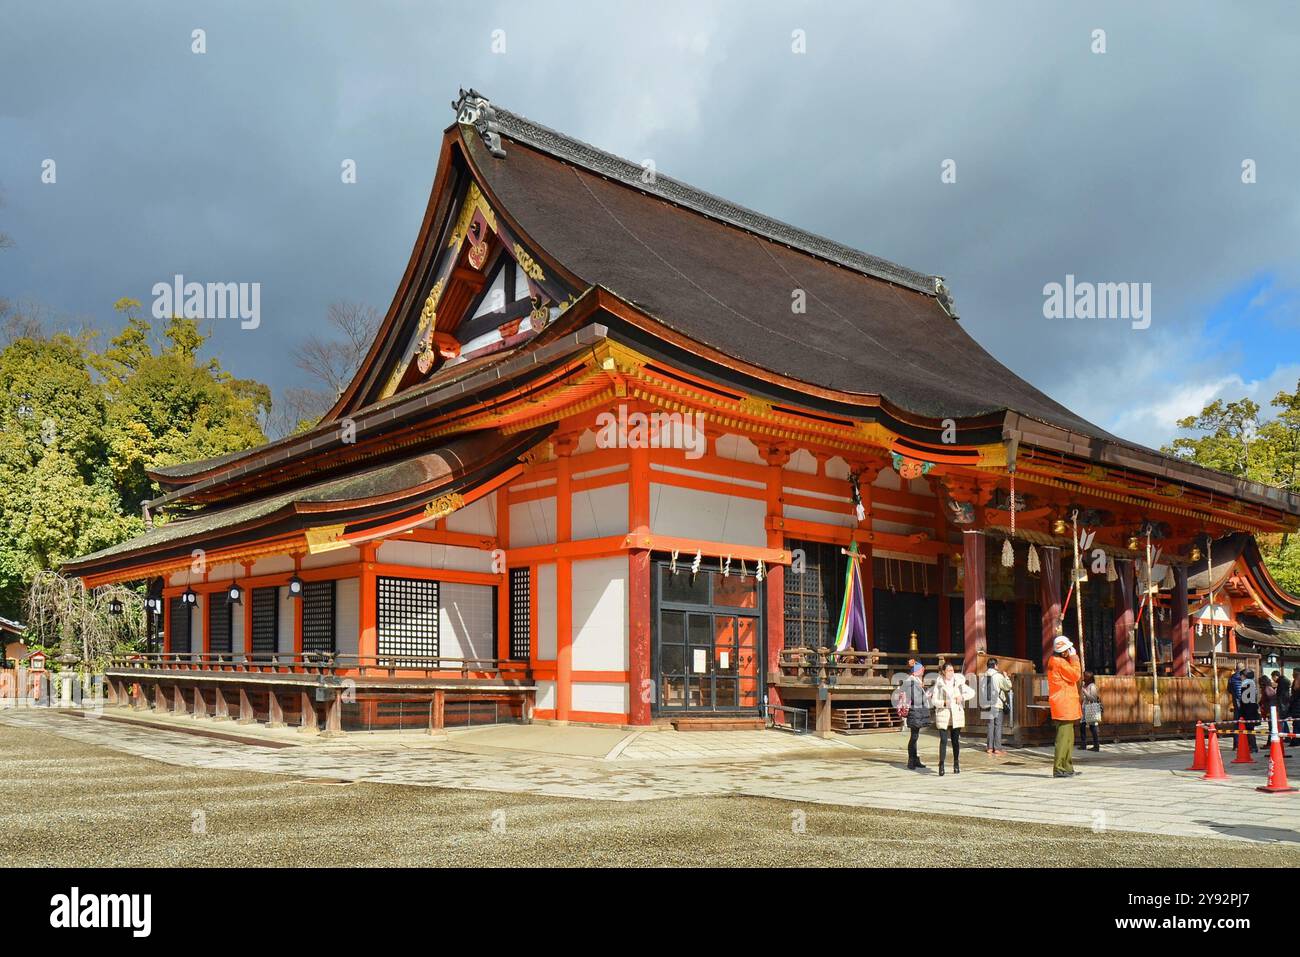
(948,699)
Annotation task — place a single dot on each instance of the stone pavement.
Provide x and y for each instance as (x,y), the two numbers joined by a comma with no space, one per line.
(1134,786)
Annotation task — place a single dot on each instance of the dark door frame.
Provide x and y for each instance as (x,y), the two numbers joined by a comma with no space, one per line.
(658,564)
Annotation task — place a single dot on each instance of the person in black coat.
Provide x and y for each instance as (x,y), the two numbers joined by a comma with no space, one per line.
(1249,710)
(912,698)
(1293,709)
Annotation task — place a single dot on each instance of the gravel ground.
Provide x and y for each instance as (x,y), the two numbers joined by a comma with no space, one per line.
(72,804)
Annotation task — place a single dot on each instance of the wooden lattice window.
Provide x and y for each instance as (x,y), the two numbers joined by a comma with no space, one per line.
(318,616)
(266,621)
(220,624)
(406,620)
(178,621)
(520,614)
(814,589)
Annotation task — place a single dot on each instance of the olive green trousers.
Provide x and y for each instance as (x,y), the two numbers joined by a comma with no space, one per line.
(1064,763)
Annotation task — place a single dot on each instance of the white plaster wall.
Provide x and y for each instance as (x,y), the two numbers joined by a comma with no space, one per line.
(532,523)
(837,468)
(844,519)
(465,621)
(737,447)
(476,518)
(288,619)
(600,614)
(545,586)
(423,555)
(545,695)
(273,565)
(336,556)
(688,513)
(224,572)
(606,697)
(899,528)
(198,619)
(802,461)
(600,512)
(887,478)
(237,624)
(347,616)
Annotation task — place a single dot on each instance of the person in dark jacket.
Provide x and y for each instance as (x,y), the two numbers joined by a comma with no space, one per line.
(1248,710)
(912,697)
(1283,694)
(1293,710)
(1234,689)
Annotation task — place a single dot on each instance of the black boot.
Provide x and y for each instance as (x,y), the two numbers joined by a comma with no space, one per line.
(940,769)
(956,768)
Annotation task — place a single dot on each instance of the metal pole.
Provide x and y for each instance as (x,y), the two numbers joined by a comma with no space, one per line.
(1151,627)
(1078,579)
(1214,644)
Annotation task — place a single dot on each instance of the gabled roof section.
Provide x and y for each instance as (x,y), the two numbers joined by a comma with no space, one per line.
(352,503)
(473,109)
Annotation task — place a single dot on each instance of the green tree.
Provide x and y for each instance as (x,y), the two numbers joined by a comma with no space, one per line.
(80,428)
(1233,441)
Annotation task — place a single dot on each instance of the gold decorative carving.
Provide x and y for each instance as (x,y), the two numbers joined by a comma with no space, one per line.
(752,405)
(529,265)
(1172,491)
(444,505)
(326,538)
(429,314)
(473,201)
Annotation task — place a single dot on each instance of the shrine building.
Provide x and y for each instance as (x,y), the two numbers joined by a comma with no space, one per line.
(604,463)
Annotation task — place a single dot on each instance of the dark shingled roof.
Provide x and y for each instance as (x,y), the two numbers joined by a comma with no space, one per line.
(1269,633)
(418,475)
(729,286)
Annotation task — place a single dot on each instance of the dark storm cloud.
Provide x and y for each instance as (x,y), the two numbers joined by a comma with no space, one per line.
(1114,168)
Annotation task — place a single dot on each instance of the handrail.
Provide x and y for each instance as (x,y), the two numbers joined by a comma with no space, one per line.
(320,663)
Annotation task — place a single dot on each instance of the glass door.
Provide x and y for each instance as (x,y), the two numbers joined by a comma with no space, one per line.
(707,640)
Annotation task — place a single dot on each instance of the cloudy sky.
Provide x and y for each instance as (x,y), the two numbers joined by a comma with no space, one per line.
(1122,166)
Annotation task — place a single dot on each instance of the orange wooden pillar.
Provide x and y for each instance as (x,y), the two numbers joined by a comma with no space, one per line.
(367,635)
(503,590)
(297,612)
(1181,625)
(642,694)
(973,563)
(564,446)
(248,614)
(1050,582)
(1124,617)
(201,609)
(166,624)
(774,610)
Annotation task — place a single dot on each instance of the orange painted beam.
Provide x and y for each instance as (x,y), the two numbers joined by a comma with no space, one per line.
(297,611)
(368,600)
(437,574)
(503,590)
(640,691)
(563,584)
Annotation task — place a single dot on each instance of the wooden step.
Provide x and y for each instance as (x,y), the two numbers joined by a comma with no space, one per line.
(706,722)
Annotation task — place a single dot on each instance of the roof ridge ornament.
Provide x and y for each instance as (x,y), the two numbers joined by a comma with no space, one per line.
(474,109)
(942,293)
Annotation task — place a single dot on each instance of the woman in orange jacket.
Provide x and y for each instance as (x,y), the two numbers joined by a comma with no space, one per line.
(1063,673)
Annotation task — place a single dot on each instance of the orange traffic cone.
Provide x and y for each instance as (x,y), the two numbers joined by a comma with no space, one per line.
(1213,759)
(1243,745)
(1198,756)
(1276,769)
